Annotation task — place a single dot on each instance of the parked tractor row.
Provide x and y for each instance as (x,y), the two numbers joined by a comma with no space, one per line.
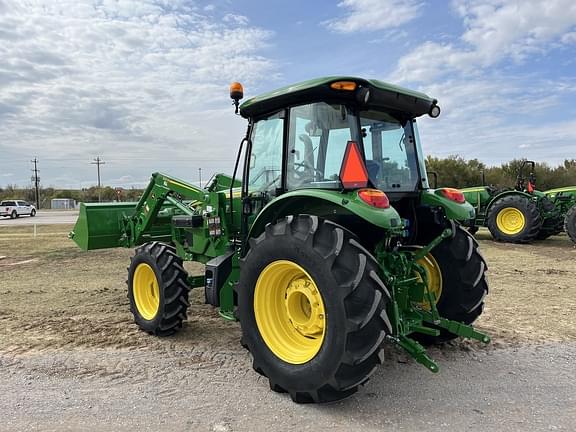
(329,244)
(523,214)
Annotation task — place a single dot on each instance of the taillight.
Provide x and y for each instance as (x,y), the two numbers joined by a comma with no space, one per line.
(374,197)
(453,195)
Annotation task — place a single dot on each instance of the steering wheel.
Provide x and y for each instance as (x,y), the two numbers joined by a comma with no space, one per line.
(306,168)
(307,165)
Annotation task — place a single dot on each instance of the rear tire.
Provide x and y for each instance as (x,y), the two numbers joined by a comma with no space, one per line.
(464,285)
(550,228)
(570,223)
(13,215)
(514,219)
(354,299)
(157,289)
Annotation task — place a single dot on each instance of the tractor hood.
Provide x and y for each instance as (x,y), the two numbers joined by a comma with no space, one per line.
(568,190)
(370,94)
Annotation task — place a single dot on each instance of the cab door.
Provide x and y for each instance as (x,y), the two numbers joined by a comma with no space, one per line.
(263,174)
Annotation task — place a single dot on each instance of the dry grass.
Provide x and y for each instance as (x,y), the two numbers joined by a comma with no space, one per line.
(67,298)
(532,290)
(55,296)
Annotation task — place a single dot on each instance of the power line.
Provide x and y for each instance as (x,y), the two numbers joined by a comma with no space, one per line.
(36,180)
(128,159)
(98,162)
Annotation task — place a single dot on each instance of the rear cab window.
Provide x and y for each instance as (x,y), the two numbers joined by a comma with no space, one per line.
(8,203)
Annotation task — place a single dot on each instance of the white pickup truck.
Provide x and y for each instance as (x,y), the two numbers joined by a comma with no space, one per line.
(16,208)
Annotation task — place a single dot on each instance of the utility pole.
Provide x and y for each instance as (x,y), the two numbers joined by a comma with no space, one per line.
(200,177)
(98,162)
(36,181)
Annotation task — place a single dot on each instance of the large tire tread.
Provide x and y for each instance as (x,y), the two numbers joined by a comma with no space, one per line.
(173,286)
(359,289)
(529,210)
(464,281)
(570,223)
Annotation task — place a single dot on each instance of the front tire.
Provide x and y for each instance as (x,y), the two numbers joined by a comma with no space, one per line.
(514,219)
(33,213)
(570,223)
(314,358)
(157,289)
(457,272)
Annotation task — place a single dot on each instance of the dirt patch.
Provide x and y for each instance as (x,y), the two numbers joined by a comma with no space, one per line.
(61,298)
(68,299)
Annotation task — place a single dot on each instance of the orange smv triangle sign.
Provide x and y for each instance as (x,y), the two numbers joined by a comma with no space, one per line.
(353,173)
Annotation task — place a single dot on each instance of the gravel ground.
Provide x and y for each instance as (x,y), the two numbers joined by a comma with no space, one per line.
(528,389)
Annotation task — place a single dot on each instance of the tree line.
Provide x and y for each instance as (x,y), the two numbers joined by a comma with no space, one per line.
(457,172)
(107,194)
(453,171)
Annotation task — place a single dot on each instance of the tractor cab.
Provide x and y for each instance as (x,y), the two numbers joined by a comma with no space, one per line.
(306,145)
(340,135)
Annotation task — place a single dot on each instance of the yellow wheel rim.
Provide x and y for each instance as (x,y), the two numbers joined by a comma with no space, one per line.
(146,291)
(289,312)
(510,221)
(434,277)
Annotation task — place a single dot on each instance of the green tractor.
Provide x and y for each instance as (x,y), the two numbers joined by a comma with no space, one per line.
(565,200)
(519,215)
(331,244)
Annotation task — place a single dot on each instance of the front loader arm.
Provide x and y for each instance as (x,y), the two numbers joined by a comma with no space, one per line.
(161,189)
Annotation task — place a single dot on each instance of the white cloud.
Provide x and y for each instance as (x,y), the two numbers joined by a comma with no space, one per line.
(484,119)
(236,19)
(494,30)
(569,38)
(123,79)
(488,111)
(370,15)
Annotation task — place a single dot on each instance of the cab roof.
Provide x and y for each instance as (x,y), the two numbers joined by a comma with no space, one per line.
(404,102)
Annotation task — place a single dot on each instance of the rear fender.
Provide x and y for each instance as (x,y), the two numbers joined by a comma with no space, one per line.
(344,208)
(453,210)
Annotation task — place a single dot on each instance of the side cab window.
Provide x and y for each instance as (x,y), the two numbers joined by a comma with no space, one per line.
(265,159)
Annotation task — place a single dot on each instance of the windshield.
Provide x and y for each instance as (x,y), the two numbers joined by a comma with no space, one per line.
(390,151)
(318,134)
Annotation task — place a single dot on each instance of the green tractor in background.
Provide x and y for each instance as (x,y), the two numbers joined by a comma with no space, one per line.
(519,215)
(331,245)
(565,201)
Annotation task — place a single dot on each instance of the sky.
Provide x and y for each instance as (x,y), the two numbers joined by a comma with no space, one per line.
(143,84)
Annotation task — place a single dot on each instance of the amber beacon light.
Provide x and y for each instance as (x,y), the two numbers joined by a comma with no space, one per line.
(236,93)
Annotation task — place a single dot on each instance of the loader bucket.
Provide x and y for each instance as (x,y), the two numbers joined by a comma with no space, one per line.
(99,225)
